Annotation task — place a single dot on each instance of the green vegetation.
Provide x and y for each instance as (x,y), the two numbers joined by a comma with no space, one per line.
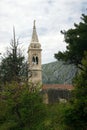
(13,66)
(75,113)
(76,40)
(23,109)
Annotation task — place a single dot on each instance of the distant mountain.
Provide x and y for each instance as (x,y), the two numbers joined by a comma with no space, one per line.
(58,73)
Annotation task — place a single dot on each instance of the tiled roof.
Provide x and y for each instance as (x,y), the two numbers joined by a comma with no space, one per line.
(57,86)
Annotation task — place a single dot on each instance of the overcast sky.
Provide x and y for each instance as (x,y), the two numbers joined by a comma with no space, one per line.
(51,17)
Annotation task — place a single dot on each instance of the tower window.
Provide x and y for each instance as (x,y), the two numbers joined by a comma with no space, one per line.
(35,60)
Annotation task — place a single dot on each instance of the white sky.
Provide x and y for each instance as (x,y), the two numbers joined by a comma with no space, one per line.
(51,17)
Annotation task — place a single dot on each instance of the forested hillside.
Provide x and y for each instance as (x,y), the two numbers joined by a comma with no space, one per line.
(58,72)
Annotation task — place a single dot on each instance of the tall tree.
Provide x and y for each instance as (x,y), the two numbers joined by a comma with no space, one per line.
(11,64)
(76,40)
(75,116)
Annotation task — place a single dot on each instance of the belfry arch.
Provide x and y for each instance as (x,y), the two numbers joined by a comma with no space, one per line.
(35,60)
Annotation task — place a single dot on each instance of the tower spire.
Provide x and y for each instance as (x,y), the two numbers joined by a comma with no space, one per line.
(34,34)
(34,23)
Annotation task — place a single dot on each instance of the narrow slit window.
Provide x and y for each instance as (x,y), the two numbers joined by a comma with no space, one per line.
(33,59)
(36,60)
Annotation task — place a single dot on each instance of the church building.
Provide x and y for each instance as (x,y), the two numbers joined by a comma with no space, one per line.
(51,92)
(34,59)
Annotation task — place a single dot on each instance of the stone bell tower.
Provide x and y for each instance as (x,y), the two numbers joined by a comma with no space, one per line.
(34,59)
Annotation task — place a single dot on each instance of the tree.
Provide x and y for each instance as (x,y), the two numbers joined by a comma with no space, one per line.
(21,109)
(76,40)
(75,116)
(13,63)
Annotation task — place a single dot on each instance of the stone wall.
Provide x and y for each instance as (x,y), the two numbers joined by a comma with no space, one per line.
(56,95)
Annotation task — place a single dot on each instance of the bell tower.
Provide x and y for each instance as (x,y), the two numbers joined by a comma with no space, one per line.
(34,59)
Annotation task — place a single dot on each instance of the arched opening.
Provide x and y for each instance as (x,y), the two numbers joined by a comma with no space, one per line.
(36,60)
(33,59)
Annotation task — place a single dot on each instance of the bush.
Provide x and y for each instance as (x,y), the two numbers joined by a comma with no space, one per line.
(21,109)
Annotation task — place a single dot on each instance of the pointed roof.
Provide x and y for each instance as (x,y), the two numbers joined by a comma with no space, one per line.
(34,34)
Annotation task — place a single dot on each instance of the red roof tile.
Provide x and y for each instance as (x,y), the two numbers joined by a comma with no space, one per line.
(57,86)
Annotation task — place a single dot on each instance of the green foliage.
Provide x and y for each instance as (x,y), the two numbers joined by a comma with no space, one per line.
(55,117)
(76,40)
(21,109)
(12,66)
(75,115)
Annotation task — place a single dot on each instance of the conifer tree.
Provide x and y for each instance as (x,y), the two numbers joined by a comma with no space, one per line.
(75,116)
(12,63)
(76,40)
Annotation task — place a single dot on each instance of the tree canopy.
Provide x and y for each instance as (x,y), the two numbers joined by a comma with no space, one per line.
(76,40)
(21,109)
(12,64)
(75,115)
